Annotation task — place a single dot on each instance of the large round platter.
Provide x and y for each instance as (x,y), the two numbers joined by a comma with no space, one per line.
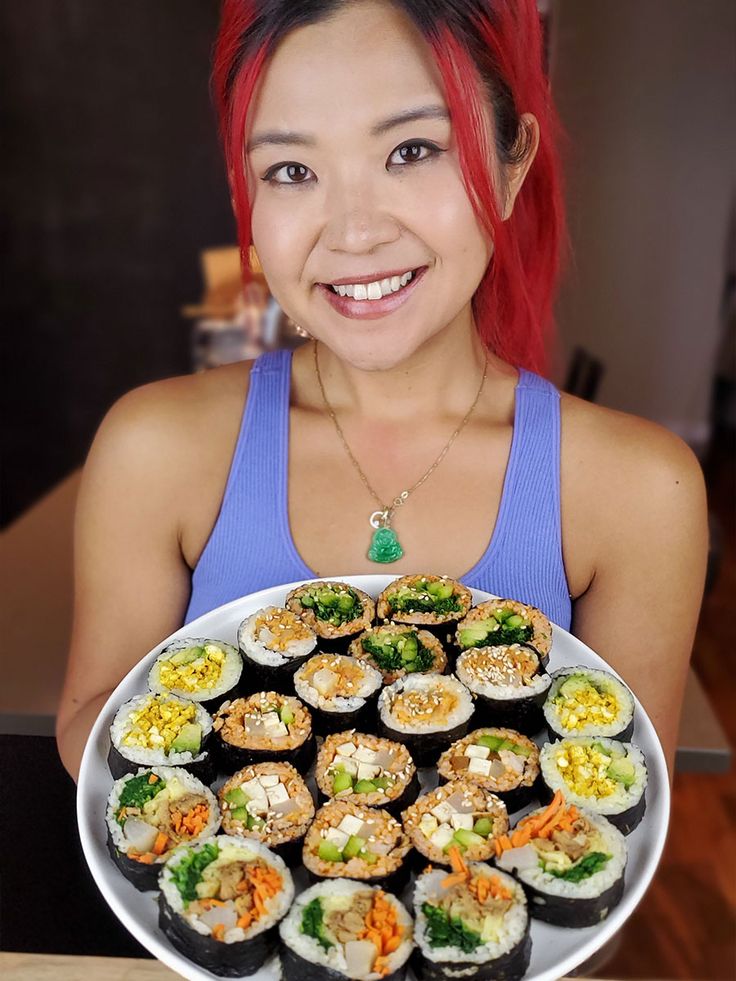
(556,951)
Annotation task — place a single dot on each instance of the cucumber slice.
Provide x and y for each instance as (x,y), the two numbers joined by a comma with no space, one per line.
(345,602)
(466,838)
(286,715)
(492,742)
(240,814)
(365,787)
(383,783)
(353,847)
(341,781)
(329,852)
(307,601)
(237,797)
(622,771)
(254,823)
(370,858)
(515,621)
(483,827)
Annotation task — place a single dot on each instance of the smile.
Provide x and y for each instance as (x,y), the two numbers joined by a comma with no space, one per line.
(374,299)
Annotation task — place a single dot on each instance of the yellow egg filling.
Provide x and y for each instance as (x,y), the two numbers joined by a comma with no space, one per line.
(157,723)
(201,673)
(587,706)
(584,770)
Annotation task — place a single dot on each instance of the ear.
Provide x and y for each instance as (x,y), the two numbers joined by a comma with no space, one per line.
(516,171)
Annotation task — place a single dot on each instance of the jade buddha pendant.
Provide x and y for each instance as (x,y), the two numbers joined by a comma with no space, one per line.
(385,546)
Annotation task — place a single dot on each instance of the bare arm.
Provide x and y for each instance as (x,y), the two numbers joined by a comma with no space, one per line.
(131,582)
(641,608)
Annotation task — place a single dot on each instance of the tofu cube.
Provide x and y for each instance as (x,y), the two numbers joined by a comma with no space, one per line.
(480,766)
(325,681)
(351,824)
(346,749)
(479,752)
(337,837)
(428,825)
(349,765)
(366,771)
(277,794)
(364,755)
(442,836)
(462,821)
(442,812)
(268,780)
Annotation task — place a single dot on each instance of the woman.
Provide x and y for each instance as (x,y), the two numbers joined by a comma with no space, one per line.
(405,145)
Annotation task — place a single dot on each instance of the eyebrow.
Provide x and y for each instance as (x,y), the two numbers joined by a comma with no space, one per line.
(289,138)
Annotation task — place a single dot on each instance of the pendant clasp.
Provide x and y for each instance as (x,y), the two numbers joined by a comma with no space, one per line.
(380,519)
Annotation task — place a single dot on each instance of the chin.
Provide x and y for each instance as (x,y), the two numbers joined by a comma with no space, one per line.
(373,351)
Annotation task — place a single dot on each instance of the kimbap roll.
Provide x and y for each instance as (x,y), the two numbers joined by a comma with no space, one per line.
(152,812)
(349,841)
(159,729)
(274,642)
(269,802)
(397,650)
(433,602)
(509,684)
(426,712)
(584,702)
(605,776)
(342,929)
(456,817)
(335,611)
(205,671)
(221,901)
(339,690)
(570,861)
(500,760)
(503,622)
(263,727)
(471,924)
(367,770)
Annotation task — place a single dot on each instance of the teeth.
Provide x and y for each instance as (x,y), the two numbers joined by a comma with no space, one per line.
(374,291)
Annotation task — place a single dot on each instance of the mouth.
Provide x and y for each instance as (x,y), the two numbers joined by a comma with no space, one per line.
(369,300)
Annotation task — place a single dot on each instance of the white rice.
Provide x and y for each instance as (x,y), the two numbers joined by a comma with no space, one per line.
(427,683)
(602,680)
(615,803)
(153,757)
(232,667)
(371,681)
(252,647)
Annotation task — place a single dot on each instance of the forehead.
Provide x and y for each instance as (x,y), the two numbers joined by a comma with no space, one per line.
(368,57)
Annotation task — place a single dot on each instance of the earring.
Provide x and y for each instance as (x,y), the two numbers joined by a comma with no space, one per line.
(299,329)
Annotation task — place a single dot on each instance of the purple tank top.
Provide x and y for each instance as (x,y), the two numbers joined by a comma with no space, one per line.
(251,548)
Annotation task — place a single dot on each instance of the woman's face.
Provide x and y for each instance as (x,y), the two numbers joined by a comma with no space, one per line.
(343,193)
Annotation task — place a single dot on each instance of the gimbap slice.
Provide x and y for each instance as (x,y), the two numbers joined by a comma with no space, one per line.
(153,730)
(456,817)
(500,760)
(471,924)
(151,813)
(274,642)
(340,690)
(221,901)
(269,802)
(509,684)
(570,861)
(265,726)
(349,841)
(367,770)
(205,671)
(584,702)
(503,622)
(433,602)
(335,611)
(397,650)
(342,929)
(426,712)
(604,775)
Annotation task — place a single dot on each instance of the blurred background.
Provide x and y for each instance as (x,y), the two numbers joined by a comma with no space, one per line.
(120,268)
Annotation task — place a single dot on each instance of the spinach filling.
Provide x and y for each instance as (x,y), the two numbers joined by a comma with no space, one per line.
(398,652)
(331,606)
(187,874)
(586,867)
(138,792)
(426,597)
(444,930)
(313,924)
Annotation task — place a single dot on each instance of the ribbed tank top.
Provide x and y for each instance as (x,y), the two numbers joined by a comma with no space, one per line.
(251,546)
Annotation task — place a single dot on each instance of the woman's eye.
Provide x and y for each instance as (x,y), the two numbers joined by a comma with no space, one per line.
(410,153)
(291,173)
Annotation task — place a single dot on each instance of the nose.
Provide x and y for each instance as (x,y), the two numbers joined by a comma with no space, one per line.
(357,223)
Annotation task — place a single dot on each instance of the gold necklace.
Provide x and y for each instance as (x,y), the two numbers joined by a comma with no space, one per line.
(385,546)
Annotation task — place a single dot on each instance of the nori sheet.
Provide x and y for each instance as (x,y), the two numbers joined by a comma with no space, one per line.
(522,714)
(119,765)
(144,877)
(231,758)
(327,723)
(226,960)
(426,747)
(509,967)
(565,911)
(394,882)
(294,967)
(624,736)
(266,677)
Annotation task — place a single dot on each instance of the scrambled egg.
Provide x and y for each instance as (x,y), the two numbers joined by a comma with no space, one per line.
(587,706)
(202,673)
(584,770)
(157,723)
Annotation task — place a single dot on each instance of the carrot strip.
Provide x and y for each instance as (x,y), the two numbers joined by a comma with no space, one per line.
(218,931)
(160,844)
(152,778)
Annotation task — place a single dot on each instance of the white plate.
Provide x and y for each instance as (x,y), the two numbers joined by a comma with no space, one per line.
(555,951)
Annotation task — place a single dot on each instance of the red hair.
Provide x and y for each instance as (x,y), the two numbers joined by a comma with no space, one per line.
(513,303)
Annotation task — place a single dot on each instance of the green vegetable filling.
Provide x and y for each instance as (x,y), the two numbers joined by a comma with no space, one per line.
(444,930)
(313,924)
(331,606)
(502,627)
(426,597)
(189,871)
(138,792)
(398,652)
(583,870)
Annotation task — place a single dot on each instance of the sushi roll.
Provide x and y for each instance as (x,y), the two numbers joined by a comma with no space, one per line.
(205,671)
(570,861)
(335,611)
(397,650)
(456,817)
(605,776)
(509,684)
(584,702)
(158,729)
(151,813)
(500,760)
(367,770)
(471,924)
(340,691)
(220,903)
(263,727)
(269,802)
(502,622)
(349,841)
(426,712)
(342,929)
(274,642)
(436,603)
